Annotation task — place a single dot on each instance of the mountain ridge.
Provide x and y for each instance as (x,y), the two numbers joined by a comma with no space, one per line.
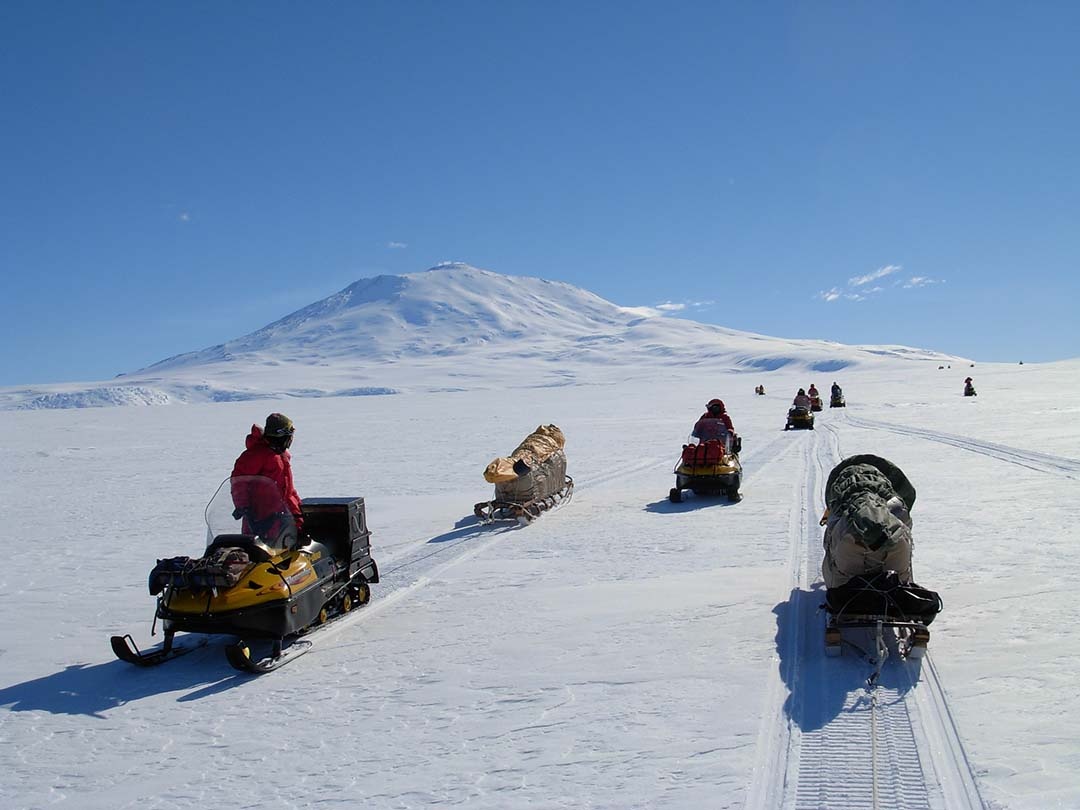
(453,326)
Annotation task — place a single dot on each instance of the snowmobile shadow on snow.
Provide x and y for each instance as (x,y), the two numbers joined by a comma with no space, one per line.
(821,687)
(667,507)
(94,689)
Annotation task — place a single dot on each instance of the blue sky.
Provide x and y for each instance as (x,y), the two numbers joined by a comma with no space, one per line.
(178,174)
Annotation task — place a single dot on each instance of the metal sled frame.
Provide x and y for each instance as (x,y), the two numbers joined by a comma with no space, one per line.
(527,512)
(912,634)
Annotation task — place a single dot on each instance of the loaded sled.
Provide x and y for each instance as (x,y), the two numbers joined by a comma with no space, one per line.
(259,580)
(710,467)
(530,481)
(867,560)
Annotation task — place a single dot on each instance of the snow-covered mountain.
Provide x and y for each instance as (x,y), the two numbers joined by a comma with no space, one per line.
(438,329)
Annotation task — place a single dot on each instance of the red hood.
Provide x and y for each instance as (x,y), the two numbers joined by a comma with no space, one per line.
(255,437)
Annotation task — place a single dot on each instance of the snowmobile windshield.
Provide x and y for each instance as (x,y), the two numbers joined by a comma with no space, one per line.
(250,505)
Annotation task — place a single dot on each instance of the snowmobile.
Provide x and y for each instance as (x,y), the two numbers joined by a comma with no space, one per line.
(815,404)
(710,467)
(259,579)
(837,401)
(535,490)
(799,419)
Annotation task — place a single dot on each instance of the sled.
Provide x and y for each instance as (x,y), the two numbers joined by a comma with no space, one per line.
(534,491)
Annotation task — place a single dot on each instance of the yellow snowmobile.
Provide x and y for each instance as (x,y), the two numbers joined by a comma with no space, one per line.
(710,467)
(799,419)
(259,579)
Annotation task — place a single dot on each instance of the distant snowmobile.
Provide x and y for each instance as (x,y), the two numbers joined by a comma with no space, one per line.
(258,580)
(799,419)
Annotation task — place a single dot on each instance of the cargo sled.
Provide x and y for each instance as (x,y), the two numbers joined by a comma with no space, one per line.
(530,481)
(259,579)
(867,560)
(709,468)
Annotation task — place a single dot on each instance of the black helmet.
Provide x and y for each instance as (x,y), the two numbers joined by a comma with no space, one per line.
(279,431)
(801,391)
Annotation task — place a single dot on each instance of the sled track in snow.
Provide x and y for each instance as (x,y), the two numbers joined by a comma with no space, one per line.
(422,562)
(1040,462)
(829,740)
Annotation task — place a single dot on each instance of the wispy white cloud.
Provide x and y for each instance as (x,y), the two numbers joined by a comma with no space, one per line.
(184,216)
(679,306)
(888,270)
(921,281)
(857,290)
(836,294)
(397,245)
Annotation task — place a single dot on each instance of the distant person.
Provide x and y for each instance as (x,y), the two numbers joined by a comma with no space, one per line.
(969,389)
(813,392)
(836,391)
(267,456)
(801,400)
(714,424)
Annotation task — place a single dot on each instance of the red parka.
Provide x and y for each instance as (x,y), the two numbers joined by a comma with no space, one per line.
(703,423)
(260,459)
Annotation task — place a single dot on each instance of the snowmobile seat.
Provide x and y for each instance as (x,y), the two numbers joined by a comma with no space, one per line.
(256,549)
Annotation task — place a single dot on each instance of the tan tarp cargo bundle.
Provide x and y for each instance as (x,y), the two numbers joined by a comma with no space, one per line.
(540,445)
(536,469)
(542,481)
(868,520)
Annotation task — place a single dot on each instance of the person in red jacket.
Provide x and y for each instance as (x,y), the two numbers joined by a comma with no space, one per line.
(715,424)
(267,457)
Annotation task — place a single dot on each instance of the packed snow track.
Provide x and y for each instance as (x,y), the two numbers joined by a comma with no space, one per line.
(832,740)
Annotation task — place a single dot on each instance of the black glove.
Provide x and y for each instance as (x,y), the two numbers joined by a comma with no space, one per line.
(239,513)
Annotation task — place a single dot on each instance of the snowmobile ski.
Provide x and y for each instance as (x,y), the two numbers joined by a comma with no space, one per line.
(240,657)
(125,648)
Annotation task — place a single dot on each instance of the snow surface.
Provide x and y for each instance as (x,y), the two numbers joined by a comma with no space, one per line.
(620,652)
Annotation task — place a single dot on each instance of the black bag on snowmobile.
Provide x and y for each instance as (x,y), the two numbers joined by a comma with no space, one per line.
(222,567)
(883,595)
